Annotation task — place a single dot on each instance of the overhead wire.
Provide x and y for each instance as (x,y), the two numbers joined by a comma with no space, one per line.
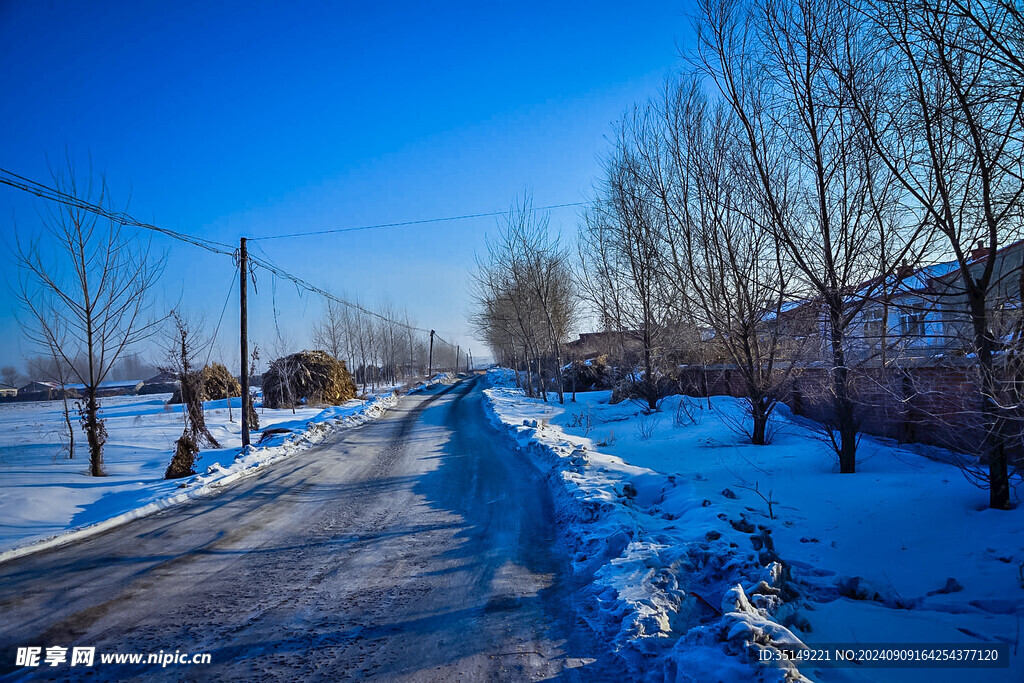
(42,191)
(285,275)
(51,194)
(421,221)
(280,272)
(224,308)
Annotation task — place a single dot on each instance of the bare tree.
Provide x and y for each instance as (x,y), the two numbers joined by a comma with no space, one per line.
(779,64)
(540,264)
(622,247)
(525,301)
(331,333)
(723,255)
(10,375)
(186,344)
(186,341)
(950,127)
(86,293)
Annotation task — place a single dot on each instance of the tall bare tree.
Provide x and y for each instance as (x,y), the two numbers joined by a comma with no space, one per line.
(779,64)
(722,252)
(525,298)
(331,333)
(540,264)
(950,128)
(622,252)
(86,290)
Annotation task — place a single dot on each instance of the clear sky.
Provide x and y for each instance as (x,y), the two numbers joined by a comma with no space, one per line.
(225,119)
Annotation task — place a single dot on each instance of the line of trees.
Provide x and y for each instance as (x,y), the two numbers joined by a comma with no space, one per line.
(878,132)
(525,299)
(385,348)
(810,154)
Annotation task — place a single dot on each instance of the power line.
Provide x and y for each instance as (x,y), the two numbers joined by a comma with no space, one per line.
(283,274)
(50,194)
(54,195)
(269,264)
(421,221)
(224,308)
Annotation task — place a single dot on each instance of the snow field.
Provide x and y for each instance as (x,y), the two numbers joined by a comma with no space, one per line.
(694,575)
(47,499)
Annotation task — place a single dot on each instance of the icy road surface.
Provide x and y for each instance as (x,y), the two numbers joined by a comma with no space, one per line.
(417,547)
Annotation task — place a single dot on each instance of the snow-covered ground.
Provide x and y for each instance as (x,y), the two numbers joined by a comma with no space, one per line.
(47,499)
(695,575)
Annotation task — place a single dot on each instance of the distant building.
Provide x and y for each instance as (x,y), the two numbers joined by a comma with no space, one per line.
(594,344)
(7,391)
(44,391)
(117,387)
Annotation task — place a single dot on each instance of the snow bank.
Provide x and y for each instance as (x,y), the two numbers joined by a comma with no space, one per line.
(440,379)
(48,500)
(700,550)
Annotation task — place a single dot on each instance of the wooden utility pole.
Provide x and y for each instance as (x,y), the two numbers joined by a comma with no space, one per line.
(243,276)
(430,362)
(458,349)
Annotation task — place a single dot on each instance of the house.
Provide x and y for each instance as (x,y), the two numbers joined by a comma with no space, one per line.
(926,316)
(7,391)
(908,317)
(594,344)
(918,316)
(44,391)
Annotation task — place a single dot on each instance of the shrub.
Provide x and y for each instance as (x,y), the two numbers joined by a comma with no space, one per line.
(636,390)
(184,461)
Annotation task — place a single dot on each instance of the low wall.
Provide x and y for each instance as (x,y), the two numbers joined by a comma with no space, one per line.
(932,405)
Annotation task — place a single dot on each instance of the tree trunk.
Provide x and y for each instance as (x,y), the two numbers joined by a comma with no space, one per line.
(67,421)
(993,421)
(842,402)
(95,432)
(515,366)
(759,411)
(542,387)
(529,371)
(650,386)
(558,370)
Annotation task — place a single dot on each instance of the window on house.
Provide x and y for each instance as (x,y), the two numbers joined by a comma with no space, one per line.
(912,323)
(874,324)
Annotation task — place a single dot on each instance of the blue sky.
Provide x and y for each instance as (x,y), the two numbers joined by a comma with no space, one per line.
(252,119)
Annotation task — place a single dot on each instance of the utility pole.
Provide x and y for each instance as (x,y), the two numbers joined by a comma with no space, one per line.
(469,362)
(458,349)
(430,362)
(243,276)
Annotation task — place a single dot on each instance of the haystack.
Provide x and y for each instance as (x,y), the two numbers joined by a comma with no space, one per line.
(217,383)
(307,377)
(593,374)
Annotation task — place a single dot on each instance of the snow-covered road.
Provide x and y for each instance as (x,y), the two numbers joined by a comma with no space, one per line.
(417,547)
